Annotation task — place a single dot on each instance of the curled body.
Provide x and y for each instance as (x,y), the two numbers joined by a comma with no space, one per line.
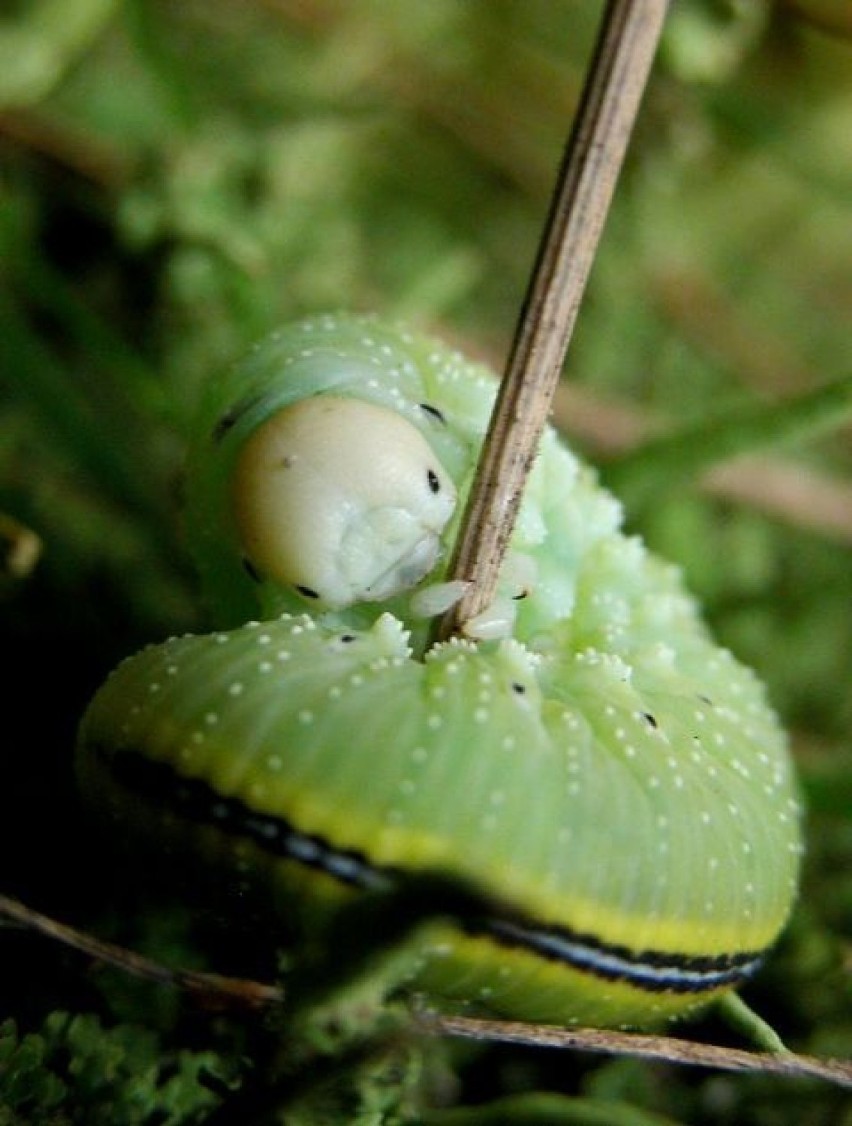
(608,776)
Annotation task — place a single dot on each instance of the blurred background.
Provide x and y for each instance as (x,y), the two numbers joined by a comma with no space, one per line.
(178,177)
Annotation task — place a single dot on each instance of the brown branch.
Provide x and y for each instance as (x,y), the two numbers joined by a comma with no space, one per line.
(715,324)
(218,991)
(585,184)
(83,154)
(668,1049)
(794,493)
(211,988)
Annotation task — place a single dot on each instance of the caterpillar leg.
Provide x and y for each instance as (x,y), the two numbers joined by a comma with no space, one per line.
(497,621)
(743,1019)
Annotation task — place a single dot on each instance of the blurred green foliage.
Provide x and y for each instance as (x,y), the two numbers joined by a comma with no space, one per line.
(74,1071)
(177,177)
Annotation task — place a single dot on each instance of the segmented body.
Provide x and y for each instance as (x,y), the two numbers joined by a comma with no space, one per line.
(609,775)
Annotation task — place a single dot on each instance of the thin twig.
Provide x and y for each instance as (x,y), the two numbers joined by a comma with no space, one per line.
(240,993)
(68,148)
(796,494)
(585,184)
(668,1049)
(213,988)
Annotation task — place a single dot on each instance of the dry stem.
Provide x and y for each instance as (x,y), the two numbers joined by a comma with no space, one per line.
(220,992)
(585,184)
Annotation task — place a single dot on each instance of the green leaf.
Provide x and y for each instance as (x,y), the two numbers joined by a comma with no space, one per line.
(673,461)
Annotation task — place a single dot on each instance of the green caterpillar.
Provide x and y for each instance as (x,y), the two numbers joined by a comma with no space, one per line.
(604,772)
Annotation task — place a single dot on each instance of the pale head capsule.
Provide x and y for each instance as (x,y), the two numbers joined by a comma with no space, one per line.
(341,499)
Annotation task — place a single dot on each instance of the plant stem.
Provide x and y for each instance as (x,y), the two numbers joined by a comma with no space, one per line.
(584,188)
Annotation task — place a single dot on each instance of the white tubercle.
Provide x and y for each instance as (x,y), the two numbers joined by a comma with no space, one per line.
(437,598)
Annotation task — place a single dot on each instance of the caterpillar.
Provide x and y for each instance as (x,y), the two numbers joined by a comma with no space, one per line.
(606,773)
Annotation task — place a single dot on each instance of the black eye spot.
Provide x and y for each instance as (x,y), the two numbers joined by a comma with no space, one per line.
(650,719)
(306,591)
(347,637)
(433,412)
(433,481)
(251,571)
(232,416)
(521,596)
(223,426)
(520,689)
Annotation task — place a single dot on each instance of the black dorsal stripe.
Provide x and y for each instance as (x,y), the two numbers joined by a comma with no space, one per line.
(199,803)
(650,970)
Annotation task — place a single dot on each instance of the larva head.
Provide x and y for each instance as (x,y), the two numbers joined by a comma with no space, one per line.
(426,386)
(341,499)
